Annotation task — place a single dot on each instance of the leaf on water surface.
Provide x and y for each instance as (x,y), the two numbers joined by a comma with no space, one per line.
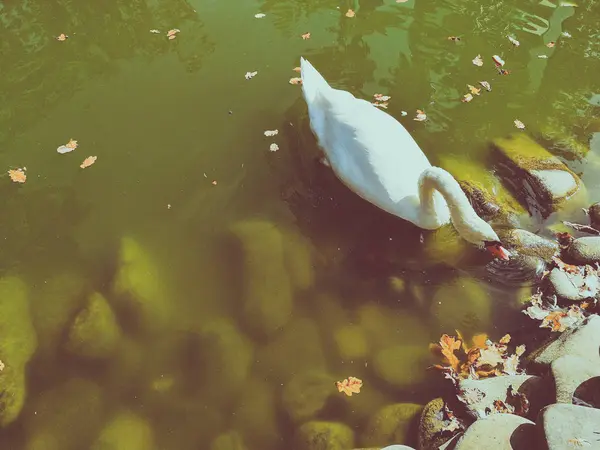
(295,80)
(350,13)
(505,339)
(478,61)
(498,61)
(173,32)
(566,34)
(486,85)
(214,182)
(259,15)
(306,36)
(250,75)
(474,90)
(273,147)
(520,125)
(381,97)
(403,114)
(454,38)
(543,56)
(68,147)
(551,44)
(87,162)
(155,31)
(62,37)
(574,5)
(383,105)
(503,71)
(513,41)
(297,69)
(270,133)
(421,116)
(466,98)
(349,386)
(17,175)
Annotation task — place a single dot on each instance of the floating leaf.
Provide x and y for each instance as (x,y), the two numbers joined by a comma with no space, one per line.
(505,339)
(87,162)
(520,125)
(466,98)
(17,175)
(498,61)
(474,90)
(478,61)
(306,36)
(551,44)
(62,37)
(421,116)
(381,97)
(520,350)
(274,147)
(297,69)
(295,80)
(155,31)
(453,38)
(486,85)
(513,41)
(1,366)
(269,133)
(259,15)
(350,13)
(349,386)
(250,75)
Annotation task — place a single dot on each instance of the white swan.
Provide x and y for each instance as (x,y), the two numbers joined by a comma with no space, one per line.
(374,155)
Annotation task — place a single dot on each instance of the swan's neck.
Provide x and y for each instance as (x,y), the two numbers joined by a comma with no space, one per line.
(435,181)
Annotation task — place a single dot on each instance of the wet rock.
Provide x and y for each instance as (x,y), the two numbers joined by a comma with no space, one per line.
(538,179)
(392,423)
(484,392)
(268,296)
(125,431)
(500,432)
(594,213)
(585,250)
(431,425)
(571,287)
(462,304)
(318,435)
(562,423)
(75,427)
(95,332)
(18,343)
(231,440)
(255,415)
(389,447)
(139,289)
(351,342)
(583,341)
(306,394)
(527,243)
(401,365)
(571,371)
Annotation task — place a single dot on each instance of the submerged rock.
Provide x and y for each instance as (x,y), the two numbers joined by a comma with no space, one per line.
(539,179)
(392,424)
(125,431)
(351,342)
(585,250)
(401,365)
(139,287)
(462,304)
(563,423)
(431,426)
(231,440)
(570,372)
(268,294)
(18,343)
(318,435)
(306,394)
(95,332)
(499,432)
(67,417)
(297,256)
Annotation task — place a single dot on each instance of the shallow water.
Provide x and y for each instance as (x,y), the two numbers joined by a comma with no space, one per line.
(178,132)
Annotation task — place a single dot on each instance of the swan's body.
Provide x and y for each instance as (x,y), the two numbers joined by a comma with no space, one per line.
(372,154)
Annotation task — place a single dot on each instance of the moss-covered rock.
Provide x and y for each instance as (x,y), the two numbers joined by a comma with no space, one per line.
(527,243)
(17,345)
(306,394)
(351,342)
(392,424)
(125,431)
(139,289)
(317,435)
(431,426)
(268,295)
(401,365)
(231,440)
(462,304)
(537,178)
(67,417)
(255,415)
(95,332)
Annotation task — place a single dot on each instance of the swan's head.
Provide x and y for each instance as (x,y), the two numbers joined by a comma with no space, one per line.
(483,236)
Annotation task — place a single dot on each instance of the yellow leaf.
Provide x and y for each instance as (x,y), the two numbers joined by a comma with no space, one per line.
(87,162)
(17,175)
(349,386)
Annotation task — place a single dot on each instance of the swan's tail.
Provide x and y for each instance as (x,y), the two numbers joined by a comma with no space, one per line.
(313,82)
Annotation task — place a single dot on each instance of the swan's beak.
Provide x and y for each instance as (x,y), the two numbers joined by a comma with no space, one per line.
(497,251)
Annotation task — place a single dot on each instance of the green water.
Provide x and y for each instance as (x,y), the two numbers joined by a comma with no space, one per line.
(168,118)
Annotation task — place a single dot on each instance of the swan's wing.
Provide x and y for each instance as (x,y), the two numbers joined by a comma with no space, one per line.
(369,149)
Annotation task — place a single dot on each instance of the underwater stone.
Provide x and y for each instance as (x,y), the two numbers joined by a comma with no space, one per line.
(462,304)
(125,431)
(268,296)
(392,424)
(18,343)
(95,332)
(351,342)
(585,250)
(306,394)
(318,435)
(231,440)
(139,287)
(401,365)
(67,417)
(298,260)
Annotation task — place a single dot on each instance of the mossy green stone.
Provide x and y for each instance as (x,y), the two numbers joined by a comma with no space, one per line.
(228,441)
(402,365)
(306,394)
(18,342)
(318,435)
(392,424)
(126,431)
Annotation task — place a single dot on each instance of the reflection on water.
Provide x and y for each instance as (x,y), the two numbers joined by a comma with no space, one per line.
(192,287)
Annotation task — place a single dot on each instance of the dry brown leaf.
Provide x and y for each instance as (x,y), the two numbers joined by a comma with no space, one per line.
(480,340)
(306,36)
(350,13)
(449,345)
(453,38)
(172,32)
(551,44)
(349,386)
(421,116)
(486,85)
(505,339)
(87,162)
(62,37)
(295,80)
(17,175)
(478,61)
(297,69)
(474,90)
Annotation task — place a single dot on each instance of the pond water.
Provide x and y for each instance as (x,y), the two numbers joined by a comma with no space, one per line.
(186,192)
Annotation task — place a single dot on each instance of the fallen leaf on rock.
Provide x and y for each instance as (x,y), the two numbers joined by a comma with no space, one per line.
(306,36)
(470,396)
(568,268)
(486,85)
(448,346)
(489,356)
(520,125)
(517,401)
(578,443)
(274,147)
(87,162)
(421,116)
(62,37)
(513,41)
(17,175)
(250,75)
(295,80)
(349,386)
(551,44)
(269,133)
(478,61)
(350,13)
